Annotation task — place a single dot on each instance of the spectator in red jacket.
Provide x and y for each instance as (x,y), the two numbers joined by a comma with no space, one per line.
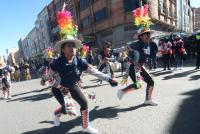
(179,52)
(166,49)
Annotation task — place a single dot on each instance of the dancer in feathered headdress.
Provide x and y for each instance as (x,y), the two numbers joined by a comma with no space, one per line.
(49,53)
(138,53)
(84,51)
(69,67)
(68,30)
(48,59)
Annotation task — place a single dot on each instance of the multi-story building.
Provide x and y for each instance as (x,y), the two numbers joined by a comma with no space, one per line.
(2,58)
(13,56)
(20,45)
(185,16)
(164,16)
(106,20)
(26,50)
(53,8)
(197,18)
(33,44)
(43,29)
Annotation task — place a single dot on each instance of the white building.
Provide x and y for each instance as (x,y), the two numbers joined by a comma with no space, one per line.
(2,58)
(26,50)
(13,56)
(185,16)
(43,29)
(32,40)
(197,19)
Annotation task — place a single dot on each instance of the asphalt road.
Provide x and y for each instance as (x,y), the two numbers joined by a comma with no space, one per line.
(178,93)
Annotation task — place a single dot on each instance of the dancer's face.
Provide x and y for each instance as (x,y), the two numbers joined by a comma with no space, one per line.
(69,49)
(146,37)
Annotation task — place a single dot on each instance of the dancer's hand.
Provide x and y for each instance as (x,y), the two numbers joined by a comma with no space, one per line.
(42,82)
(125,80)
(113,82)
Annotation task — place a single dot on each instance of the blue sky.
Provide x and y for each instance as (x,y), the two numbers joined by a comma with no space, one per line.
(195,3)
(17,18)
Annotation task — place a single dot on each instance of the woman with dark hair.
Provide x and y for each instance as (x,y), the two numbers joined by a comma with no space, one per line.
(90,57)
(166,49)
(105,57)
(179,51)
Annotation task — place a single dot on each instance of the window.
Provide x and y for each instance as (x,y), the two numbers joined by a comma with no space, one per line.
(51,12)
(43,35)
(130,5)
(83,4)
(58,6)
(171,12)
(164,8)
(100,15)
(130,28)
(93,1)
(86,22)
(106,33)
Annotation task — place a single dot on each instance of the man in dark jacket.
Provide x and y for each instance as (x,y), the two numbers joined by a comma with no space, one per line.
(152,57)
(198,54)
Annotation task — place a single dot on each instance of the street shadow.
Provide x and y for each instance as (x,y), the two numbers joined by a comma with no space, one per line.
(34,91)
(179,75)
(104,113)
(99,85)
(33,98)
(2,98)
(187,120)
(194,77)
(98,80)
(159,73)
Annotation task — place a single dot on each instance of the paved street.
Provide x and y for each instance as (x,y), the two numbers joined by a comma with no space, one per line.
(178,93)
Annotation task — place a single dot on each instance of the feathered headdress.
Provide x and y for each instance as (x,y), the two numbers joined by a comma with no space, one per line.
(68,30)
(84,51)
(48,53)
(141,19)
(66,26)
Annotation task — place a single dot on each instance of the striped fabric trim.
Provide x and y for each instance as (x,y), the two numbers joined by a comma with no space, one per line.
(85,118)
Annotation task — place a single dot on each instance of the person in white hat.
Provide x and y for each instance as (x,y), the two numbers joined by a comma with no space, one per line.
(138,54)
(67,107)
(69,67)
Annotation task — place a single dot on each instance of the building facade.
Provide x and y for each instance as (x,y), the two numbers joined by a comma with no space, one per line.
(43,29)
(164,16)
(33,44)
(26,49)
(197,19)
(185,16)
(105,20)
(20,46)
(13,56)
